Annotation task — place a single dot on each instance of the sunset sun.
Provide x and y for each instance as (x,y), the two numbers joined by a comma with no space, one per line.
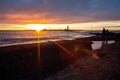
(35,27)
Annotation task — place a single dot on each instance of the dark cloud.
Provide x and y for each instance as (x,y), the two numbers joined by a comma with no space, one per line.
(58,11)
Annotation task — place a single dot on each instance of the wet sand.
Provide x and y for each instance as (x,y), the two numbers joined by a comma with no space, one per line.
(21,62)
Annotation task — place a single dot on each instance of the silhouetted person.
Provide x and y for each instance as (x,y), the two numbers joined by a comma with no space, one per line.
(107,34)
(104,35)
(107,31)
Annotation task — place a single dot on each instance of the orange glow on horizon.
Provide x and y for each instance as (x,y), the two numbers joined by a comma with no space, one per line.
(113,25)
(35,27)
(39,21)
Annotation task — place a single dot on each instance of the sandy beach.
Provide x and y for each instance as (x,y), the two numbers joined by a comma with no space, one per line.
(62,60)
(103,65)
(59,39)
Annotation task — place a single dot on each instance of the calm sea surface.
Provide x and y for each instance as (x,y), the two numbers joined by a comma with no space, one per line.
(8,38)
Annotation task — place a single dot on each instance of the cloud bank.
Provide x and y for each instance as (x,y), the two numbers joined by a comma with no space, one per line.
(58,11)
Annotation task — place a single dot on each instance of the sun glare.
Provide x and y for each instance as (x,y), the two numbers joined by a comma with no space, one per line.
(36,27)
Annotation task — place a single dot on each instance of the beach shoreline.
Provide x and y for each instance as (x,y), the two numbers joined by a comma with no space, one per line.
(21,61)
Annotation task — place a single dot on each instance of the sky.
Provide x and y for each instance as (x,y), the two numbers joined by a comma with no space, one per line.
(19,14)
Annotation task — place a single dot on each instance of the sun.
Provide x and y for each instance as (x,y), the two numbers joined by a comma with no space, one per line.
(37,27)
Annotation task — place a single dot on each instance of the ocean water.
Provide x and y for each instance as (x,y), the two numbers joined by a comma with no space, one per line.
(8,38)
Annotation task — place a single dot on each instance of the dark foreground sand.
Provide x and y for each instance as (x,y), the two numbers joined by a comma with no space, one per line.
(21,62)
(105,65)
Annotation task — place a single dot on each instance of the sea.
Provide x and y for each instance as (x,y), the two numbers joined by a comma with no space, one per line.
(9,37)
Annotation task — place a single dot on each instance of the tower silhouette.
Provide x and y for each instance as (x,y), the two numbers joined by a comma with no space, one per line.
(67,28)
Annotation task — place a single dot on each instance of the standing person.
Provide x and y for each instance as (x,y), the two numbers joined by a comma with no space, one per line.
(104,34)
(107,34)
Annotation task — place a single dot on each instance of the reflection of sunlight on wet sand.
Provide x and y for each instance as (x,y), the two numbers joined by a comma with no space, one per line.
(99,44)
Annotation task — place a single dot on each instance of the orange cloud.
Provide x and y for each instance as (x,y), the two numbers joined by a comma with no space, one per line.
(29,18)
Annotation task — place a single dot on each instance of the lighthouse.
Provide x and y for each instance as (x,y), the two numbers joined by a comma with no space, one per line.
(67,28)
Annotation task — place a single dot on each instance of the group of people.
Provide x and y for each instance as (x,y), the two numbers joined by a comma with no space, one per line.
(105,34)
